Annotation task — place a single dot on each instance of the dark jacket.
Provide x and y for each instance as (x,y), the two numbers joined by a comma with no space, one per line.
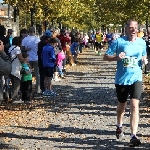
(6,43)
(41,44)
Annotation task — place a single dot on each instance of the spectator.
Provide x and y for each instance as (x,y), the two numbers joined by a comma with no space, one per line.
(4,71)
(49,60)
(23,33)
(57,49)
(63,40)
(31,43)
(17,59)
(26,80)
(75,49)
(59,62)
(4,39)
(43,42)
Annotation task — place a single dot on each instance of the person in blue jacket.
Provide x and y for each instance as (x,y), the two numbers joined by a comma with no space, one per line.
(49,60)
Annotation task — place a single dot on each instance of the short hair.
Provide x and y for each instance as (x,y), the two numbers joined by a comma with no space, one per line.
(10,31)
(77,39)
(31,30)
(53,40)
(25,54)
(16,41)
(129,21)
(23,31)
(43,38)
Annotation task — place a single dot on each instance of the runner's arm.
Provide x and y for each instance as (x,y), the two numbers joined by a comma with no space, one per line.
(110,54)
(110,58)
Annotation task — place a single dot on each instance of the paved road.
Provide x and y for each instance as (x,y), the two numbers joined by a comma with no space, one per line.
(82,117)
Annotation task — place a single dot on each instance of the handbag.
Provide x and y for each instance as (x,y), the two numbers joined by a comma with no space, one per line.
(5,65)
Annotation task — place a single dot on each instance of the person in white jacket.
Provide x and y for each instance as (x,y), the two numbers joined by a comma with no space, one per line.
(17,59)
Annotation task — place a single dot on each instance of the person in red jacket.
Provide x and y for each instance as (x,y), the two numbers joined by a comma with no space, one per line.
(63,40)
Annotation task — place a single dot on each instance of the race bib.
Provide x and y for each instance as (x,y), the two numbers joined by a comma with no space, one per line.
(130,61)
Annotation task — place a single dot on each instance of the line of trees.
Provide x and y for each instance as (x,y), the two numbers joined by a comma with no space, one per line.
(83,14)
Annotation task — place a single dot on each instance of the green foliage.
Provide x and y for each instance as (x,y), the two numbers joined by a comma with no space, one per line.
(83,13)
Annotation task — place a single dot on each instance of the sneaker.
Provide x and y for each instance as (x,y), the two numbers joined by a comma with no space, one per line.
(18,101)
(73,64)
(134,142)
(45,93)
(57,79)
(63,77)
(119,132)
(37,95)
(51,93)
(99,53)
(27,101)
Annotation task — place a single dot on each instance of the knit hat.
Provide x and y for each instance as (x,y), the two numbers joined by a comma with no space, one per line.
(48,33)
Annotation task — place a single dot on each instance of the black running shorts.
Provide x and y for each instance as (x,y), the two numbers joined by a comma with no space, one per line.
(134,91)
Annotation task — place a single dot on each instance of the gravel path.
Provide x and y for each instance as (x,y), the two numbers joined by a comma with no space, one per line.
(82,116)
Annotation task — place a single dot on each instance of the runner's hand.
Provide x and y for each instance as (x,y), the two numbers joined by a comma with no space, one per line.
(145,61)
(122,55)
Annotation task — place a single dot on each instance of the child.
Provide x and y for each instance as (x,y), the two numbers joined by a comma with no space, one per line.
(26,80)
(75,49)
(49,60)
(59,62)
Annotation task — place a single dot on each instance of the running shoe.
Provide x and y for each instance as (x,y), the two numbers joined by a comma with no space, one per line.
(52,93)
(45,93)
(119,132)
(134,142)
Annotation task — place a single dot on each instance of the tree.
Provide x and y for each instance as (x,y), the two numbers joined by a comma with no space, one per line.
(83,13)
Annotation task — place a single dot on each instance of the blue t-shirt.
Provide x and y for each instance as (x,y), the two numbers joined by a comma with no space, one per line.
(48,56)
(109,37)
(128,69)
(93,37)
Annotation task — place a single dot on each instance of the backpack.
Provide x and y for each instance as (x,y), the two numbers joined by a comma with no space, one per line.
(5,65)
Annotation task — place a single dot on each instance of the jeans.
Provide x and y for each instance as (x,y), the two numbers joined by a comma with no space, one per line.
(34,65)
(64,62)
(60,71)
